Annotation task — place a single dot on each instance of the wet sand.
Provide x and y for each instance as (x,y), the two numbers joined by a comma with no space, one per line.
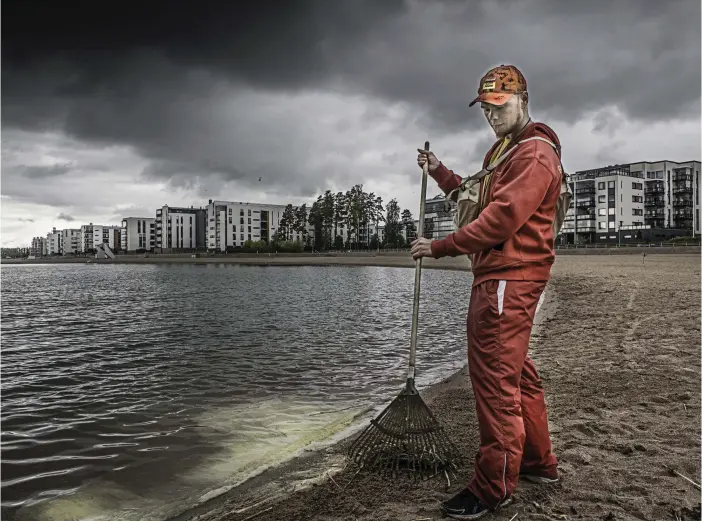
(617,344)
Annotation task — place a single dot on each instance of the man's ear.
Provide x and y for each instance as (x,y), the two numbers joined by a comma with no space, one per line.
(525,98)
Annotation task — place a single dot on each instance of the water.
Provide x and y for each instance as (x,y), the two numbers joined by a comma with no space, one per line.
(135,391)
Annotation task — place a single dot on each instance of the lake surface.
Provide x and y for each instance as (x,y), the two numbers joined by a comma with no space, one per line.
(133,391)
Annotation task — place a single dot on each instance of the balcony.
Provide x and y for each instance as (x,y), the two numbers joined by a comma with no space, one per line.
(682,202)
(585,191)
(585,202)
(682,176)
(682,188)
(682,213)
(655,214)
(656,222)
(654,188)
(654,202)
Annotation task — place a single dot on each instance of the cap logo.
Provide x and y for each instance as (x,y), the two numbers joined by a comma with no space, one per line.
(489,84)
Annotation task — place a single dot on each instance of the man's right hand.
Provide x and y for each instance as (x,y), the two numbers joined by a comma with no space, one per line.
(424,156)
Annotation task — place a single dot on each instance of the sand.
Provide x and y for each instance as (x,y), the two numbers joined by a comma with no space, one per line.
(617,344)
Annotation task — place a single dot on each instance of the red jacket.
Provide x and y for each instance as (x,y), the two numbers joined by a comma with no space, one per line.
(512,238)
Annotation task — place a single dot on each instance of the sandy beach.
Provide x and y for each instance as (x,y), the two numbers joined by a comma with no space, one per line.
(617,344)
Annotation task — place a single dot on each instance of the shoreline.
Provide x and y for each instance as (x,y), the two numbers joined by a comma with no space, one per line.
(323,460)
(387,259)
(621,375)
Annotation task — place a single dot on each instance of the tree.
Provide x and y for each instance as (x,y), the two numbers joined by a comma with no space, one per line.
(408,224)
(287,223)
(392,223)
(315,219)
(301,221)
(340,215)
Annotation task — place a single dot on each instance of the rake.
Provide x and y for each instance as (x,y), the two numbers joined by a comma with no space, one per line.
(406,435)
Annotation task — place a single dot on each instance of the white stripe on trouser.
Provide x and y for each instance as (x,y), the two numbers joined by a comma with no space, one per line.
(504,479)
(501,295)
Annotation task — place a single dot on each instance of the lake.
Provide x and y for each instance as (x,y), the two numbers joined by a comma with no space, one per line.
(135,391)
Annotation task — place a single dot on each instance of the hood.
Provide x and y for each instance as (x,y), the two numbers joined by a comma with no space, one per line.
(532,129)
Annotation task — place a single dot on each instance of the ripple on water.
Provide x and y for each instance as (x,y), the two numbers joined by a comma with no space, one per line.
(138,387)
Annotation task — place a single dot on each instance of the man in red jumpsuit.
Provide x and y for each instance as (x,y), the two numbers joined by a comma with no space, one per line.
(512,248)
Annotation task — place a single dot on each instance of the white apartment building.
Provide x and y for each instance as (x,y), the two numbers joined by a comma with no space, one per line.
(180,228)
(38,247)
(232,223)
(106,235)
(71,240)
(632,202)
(54,243)
(86,238)
(138,233)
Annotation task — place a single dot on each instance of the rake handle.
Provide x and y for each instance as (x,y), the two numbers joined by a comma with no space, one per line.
(417,277)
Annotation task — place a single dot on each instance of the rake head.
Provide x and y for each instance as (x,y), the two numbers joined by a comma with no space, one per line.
(405,437)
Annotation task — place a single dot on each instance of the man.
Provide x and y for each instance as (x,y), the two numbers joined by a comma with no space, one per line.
(512,248)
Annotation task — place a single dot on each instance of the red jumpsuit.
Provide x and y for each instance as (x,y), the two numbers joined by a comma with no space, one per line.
(512,249)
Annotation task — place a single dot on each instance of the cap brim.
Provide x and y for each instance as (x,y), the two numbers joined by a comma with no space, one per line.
(493,98)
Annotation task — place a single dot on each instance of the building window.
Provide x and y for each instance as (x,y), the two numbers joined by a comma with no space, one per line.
(242,235)
(249,215)
(601,185)
(249,221)
(602,225)
(241,212)
(230,211)
(610,184)
(612,211)
(637,186)
(249,230)
(611,224)
(234,229)
(602,212)
(242,220)
(602,199)
(637,212)
(230,220)
(637,199)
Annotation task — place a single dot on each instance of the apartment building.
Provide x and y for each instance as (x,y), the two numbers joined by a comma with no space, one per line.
(37,247)
(180,228)
(138,233)
(633,202)
(54,243)
(71,240)
(86,238)
(438,219)
(108,235)
(232,223)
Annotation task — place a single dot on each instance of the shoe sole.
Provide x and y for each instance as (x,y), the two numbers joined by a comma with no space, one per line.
(502,504)
(536,479)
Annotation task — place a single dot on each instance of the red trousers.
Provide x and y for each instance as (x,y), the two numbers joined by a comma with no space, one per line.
(509,396)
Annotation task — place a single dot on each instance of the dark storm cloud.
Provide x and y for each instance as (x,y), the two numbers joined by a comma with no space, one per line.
(149,75)
(39,172)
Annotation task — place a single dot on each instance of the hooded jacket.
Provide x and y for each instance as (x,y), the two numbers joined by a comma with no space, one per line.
(512,237)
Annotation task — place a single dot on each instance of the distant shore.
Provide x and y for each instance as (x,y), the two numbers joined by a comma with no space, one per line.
(392,259)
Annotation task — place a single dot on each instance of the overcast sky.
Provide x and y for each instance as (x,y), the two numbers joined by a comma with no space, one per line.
(111,111)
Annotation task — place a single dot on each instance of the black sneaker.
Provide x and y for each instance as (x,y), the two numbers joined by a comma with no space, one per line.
(466,506)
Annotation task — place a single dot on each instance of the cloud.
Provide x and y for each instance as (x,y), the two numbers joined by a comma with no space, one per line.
(104,107)
(65,217)
(23,220)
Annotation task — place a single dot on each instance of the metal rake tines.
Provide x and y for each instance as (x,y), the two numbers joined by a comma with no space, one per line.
(405,436)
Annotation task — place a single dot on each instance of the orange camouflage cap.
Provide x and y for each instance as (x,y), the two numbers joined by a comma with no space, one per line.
(499,84)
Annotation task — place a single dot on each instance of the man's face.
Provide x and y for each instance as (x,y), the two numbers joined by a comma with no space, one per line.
(504,119)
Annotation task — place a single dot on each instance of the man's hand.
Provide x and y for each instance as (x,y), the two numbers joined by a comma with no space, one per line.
(425,155)
(421,247)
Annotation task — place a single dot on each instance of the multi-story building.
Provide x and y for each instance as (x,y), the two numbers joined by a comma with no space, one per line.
(438,218)
(108,235)
(180,228)
(54,243)
(138,233)
(86,238)
(232,223)
(71,240)
(38,247)
(632,202)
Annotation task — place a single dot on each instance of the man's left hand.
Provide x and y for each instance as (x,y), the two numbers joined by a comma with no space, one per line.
(421,247)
